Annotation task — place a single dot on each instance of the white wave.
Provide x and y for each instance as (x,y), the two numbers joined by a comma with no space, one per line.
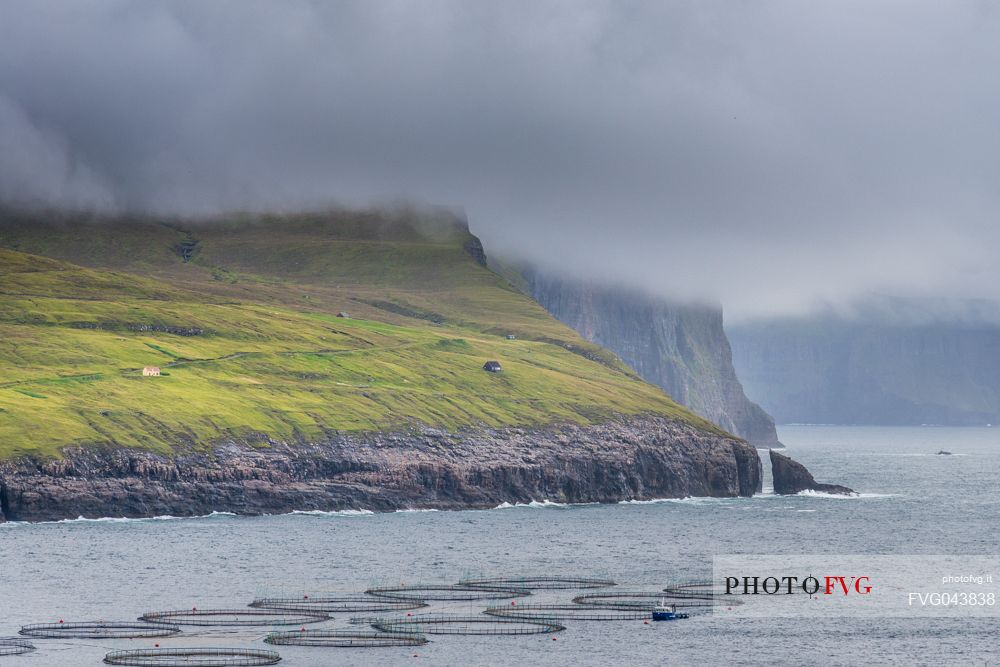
(161,517)
(410,510)
(551,503)
(842,496)
(702,500)
(121,519)
(332,513)
(541,504)
(654,501)
(688,500)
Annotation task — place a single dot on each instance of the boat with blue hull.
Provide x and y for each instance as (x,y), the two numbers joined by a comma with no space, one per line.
(663,612)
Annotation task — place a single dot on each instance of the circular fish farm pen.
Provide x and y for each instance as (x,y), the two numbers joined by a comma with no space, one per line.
(451,624)
(333,604)
(345,638)
(648,601)
(447,592)
(366,620)
(14,646)
(539,583)
(99,630)
(185,657)
(696,589)
(569,612)
(234,617)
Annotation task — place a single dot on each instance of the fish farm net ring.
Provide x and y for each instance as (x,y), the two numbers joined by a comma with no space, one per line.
(99,630)
(345,638)
(234,617)
(185,657)
(696,589)
(366,620)
(540,583)
(569,612)
(338,603)
(648,601)
(15,646)
(448,624)
(447,592)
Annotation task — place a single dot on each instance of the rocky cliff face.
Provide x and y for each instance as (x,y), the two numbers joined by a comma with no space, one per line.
(681,348)
(631,458)
(791,477)
(837,371)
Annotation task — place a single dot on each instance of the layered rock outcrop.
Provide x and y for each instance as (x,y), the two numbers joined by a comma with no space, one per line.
(792,477)
(639,457)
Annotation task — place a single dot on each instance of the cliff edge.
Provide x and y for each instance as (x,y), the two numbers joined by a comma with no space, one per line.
(681,348)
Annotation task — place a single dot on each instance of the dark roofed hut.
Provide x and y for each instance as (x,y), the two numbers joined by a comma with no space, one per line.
(492,367)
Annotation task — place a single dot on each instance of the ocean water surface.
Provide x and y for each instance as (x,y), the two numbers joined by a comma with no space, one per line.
(912,502)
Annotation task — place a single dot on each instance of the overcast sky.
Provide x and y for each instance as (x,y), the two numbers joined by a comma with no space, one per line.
(768,155)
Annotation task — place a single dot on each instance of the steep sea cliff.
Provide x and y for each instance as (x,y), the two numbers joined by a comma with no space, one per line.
(832,370)
(681,348)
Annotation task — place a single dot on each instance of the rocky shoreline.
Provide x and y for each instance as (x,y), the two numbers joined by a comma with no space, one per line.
(641,458)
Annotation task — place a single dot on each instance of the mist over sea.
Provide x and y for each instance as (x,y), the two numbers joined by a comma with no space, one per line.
(912,502)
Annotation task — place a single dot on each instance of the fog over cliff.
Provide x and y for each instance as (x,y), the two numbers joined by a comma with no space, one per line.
(768,155)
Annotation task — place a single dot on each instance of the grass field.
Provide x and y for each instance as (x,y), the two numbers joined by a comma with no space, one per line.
(246,334)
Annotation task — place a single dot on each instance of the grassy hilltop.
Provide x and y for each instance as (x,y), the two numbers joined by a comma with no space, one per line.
(240,313)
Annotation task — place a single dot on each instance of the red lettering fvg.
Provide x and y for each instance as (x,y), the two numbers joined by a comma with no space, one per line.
(858,584)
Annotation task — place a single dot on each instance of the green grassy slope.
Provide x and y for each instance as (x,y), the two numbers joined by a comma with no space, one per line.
(241,316)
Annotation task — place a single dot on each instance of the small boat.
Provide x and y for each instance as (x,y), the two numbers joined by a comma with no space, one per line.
(662,612)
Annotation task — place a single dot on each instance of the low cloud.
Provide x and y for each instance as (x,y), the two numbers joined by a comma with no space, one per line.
(768,155)
(37,167)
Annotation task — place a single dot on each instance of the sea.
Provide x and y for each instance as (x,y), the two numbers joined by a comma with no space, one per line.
(911,501)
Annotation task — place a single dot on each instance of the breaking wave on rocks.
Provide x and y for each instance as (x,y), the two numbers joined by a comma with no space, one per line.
(122,519)
(411,510)
(767,494)
(689,500)
(332,512)
(842,496)
(541,504)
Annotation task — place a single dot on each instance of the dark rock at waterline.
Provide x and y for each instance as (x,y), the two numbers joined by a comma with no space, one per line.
(639,457)
(791,477)
(943,453)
